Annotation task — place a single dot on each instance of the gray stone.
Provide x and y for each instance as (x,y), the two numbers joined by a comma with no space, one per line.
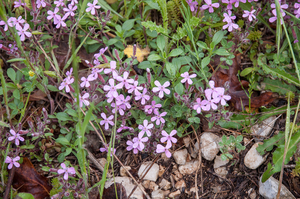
(219,166)
(264,128)
(189,167)
(180,156)
(269,189)
(253,159)
(209,145)
(152,173)
(157,194)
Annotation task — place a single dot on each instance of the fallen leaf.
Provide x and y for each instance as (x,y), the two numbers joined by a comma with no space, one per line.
(239,97)
(140,53)
(28,180)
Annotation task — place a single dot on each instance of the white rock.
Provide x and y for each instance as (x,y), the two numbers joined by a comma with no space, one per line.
(189,167)
(153,186)
(165,184)
(123,171)
(253,159)
(174,194)
(219,166)
(180,156)
(128,185)
(157,194)
(252,193)
(187,141)
(209,145)
(264,128)
(180,185)
(152,173)
(269,189)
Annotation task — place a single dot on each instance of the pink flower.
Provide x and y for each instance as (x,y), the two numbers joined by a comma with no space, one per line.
(223,98)
(19,4)
(228,17)
(124,81)
(237,2)
(23,32)
(40,3)
(158,118)
(112,69)
(66,171)
(229,2)
(200,105)
(136,144)
(70,10)
(12,161)
(187,77)
(112,89)
(121,100)
(18,22)
(161,88)
(152,108)
(168,138)
(83,99)
(248,14)
(60,21)
(105,149)
(211,103)
(101,51)
(94,74)
(210,6)
(53,14)
(119,108)
(16,136)
(161,149)
(193,5)
(213,91)
(59,3)
(106,121)
(85,82)
(142,96)
(135,88)
(123,127)
(65,84)
(146,128)
(92,7)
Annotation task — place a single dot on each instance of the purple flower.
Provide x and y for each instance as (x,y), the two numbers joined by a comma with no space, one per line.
(146,128)
(60,21)
(105,149)
(66,171)
(297,13)
(18,4)
(135,88)
(59,3)
(83,99)
(101,51)
(281,7)
(18,22)
(228,17)
(73,2)
(123,127)
(187,77)
(53,14)
(136,144)
(112,69)
(23,31)
(70,10)
(65,84)
(193,5)
(124,81)
(12,161)
(213,91)
(142,96)
(106,121)
(200,105)
(121,100)
(168,138)
(5,25)
(119,108)
(161,149)
(40,3)
(238,1)
(229,2)
(94,74)
(158,118)
(211,103)
(92,7)
(16,136)
(85,82)
(161,88)
(248,14)
(152,108)
(210,6)
(112,89)
(223,98)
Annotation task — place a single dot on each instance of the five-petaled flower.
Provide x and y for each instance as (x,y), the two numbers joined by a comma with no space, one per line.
(200,104)
(210,6)
(22,32)
(187,77)
(152,108)
(16,136)
(66,171)
(105,149)
(136,144)
(12,161)
(145,128)
(161,88)
(192,4)
(92,7)
(250,14)
(161,149)
(168,137)
(106,121)
(159,118)
(142,96)
(112,89)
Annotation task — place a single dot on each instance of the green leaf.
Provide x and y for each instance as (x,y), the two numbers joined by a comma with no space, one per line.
(68,151)
(218,37)
(16,94)
(15,60)
(52,88)
(63,116)
(202,45)
(194,120)
(171,69)
(161,42)
(152,26)
(128,24)
(222,52)
(11,74)
(62,140)
(246,71)
(152,4)
(179,88)
(205,61)
(175,52)
(154,57)
(3,124)
(145,65)
(278,86)
(25,195)
(270,143)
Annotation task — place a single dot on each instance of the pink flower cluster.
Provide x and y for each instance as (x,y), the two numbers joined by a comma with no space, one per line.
(213,95)
(281,7)
(19,24)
